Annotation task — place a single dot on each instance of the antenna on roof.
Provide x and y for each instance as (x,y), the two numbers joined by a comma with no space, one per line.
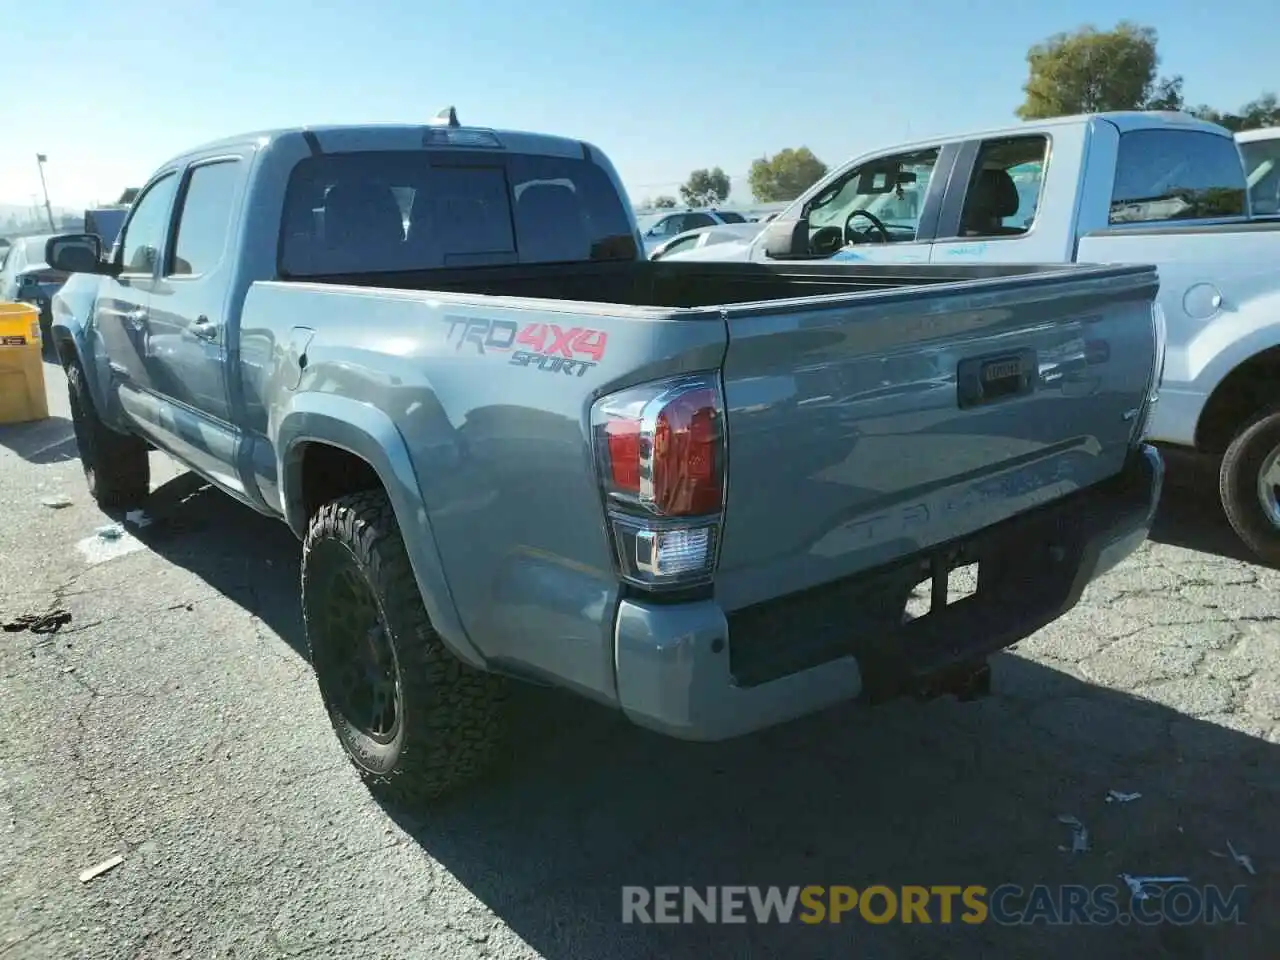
(448,117)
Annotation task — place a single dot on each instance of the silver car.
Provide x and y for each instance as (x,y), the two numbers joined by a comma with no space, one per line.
(706,236)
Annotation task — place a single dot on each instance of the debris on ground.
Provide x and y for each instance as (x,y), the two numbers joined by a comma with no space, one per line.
(57,501)
(50,622)
(1138,885)
(112,531)
(1243,859)
(100,869)
(138,518)
(1079,834)
(1119,796)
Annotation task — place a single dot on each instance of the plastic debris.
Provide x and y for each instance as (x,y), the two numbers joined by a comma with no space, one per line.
(112,531)
(1079,833)
(138,518)
(57,501)
(100,869)
(1119,796)
(1243,859)
(50,622)
(1138,885)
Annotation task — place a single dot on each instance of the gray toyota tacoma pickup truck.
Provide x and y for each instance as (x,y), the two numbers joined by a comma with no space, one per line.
(513,447)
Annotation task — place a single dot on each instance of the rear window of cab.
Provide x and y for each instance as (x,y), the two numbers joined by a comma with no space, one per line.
(393,211)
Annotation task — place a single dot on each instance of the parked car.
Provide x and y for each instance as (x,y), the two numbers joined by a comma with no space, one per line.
(1261,152)
(25,277)
(671,225)
(503,436)
(702,236)
(1158,188)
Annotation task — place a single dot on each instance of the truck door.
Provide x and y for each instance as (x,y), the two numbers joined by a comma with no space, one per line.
(122,308)
(883,210)
(189,312)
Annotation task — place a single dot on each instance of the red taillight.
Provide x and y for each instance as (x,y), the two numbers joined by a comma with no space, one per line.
(686,455)
(660,450)
(624,454)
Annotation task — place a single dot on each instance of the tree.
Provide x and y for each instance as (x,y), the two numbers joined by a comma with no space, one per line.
(1092,70)
(785,175)
(664,202)
(705,188)
(1262,112)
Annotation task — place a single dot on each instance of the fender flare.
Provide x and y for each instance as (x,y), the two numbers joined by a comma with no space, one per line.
(368,433)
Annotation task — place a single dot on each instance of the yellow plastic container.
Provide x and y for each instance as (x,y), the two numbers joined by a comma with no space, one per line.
(22,396)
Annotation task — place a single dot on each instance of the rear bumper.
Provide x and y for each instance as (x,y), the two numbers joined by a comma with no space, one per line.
(691,671)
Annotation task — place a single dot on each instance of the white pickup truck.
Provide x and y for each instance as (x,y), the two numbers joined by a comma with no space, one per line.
(1141,187)
(1261,152)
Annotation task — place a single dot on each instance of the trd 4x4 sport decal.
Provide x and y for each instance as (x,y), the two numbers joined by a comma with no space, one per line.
(541,346)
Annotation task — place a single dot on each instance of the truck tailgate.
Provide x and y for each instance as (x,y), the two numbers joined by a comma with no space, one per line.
(867,427)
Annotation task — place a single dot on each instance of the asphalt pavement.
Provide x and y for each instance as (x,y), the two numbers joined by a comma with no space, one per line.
(174,721)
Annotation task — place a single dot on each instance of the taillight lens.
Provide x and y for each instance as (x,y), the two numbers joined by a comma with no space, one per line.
(660,452)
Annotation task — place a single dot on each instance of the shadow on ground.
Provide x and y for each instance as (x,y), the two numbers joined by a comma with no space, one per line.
(50,440)
(930,794)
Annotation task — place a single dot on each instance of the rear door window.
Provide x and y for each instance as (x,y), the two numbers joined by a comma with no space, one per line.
(205,221)
(1004,190)
(390,211)
(1177,175)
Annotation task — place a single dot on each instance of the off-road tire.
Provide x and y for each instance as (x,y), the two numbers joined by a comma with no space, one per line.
(450,712)
(1238,485)
(116,467)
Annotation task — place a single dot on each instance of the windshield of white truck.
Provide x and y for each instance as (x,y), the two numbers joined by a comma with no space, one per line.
(1262,165)
(394,211)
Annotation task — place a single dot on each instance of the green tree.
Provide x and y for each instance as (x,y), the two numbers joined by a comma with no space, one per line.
(785,175)
(1262,112)
(664,202)
(1092,70)
(705,188)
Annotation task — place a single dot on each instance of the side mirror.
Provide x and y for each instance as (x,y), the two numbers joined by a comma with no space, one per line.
(74,253)
(785,239)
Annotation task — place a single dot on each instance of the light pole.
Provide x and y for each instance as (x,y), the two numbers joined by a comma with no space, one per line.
(41,159)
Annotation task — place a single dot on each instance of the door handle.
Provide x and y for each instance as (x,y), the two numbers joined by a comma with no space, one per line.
(203,329)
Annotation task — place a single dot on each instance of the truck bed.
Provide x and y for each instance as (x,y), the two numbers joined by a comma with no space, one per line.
(685,284)
(861,433)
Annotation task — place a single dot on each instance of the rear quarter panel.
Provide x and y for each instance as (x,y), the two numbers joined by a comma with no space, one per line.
(496,442)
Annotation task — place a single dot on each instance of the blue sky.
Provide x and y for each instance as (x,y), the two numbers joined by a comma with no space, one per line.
(111,89)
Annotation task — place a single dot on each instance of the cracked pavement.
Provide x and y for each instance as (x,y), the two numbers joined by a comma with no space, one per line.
(175,721)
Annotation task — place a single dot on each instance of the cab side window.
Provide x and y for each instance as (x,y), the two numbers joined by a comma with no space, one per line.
(205,220)
(1004,192)
(668,226)
(143,236)
(1177,175)
(880,201)
(693,221)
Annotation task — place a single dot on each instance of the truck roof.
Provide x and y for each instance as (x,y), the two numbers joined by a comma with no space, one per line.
(1262,133)
(1125,120)
(392,136)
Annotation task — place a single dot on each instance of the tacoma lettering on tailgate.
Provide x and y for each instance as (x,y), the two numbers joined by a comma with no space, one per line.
(543,346)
